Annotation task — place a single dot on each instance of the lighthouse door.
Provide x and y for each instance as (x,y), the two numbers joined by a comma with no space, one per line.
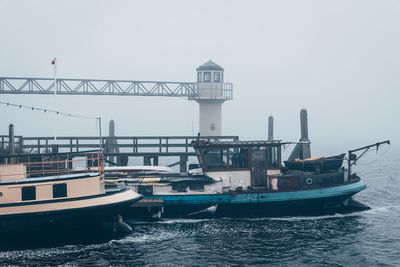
(258,168)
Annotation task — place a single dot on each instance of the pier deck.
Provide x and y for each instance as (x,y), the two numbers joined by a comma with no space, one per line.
(150,148)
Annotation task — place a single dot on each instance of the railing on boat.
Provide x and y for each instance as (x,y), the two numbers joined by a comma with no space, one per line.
(50,164)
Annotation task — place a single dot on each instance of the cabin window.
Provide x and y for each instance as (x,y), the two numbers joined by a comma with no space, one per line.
(179,187)
(199,76)
(238,158)
(28,193)
(197,187)
(216,158)
(59,190)
(217,77)
(145,190)
(1,194)
(273,157)
(207,76)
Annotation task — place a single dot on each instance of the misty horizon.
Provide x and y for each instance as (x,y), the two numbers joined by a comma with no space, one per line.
(339,60)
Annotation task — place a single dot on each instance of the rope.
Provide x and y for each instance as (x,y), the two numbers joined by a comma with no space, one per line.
(381,155)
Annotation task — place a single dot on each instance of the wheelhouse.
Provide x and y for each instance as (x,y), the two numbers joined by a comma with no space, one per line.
(254,161)
(259,159)
(240,155)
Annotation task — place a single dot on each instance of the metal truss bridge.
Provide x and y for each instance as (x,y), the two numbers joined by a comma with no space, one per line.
(11,85)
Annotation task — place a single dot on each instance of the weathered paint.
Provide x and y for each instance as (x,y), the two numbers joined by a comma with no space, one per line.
(208,190)
(232,179)
(241,198)
(12,172)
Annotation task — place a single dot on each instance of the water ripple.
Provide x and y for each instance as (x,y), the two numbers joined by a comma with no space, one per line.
(368,238)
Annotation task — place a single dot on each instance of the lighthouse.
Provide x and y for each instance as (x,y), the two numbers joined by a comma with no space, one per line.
(212,92)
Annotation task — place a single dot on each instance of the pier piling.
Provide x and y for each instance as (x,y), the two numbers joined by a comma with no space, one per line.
(270,128)
(112,144)
(11,144)
(183,163)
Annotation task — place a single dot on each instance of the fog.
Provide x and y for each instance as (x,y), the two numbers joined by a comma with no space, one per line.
(338,59)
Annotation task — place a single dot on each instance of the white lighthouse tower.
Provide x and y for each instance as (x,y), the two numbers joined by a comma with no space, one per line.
(212,91)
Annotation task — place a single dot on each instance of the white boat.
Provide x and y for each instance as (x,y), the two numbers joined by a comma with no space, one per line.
(47,195)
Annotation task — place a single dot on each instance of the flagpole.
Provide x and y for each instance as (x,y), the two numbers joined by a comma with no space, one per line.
(54,62)
(100,138)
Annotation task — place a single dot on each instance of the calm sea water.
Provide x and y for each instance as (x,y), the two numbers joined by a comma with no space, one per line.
(368,238)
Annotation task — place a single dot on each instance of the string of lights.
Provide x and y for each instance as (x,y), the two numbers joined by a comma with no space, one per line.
(50,111)
(98,119)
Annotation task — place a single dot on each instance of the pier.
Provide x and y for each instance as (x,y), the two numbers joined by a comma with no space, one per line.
(150,148)
(210,91)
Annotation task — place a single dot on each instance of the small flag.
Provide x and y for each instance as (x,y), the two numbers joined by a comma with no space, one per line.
(53,61)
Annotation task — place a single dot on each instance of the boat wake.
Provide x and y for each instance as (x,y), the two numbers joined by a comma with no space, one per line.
(163,221)
(375,210)
(145,238)
(315,218)
(306,218)
(173,221)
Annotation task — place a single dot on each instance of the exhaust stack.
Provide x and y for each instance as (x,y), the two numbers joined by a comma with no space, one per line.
(302,150)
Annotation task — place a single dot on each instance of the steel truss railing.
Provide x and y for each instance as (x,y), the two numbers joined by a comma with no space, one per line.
(12,85)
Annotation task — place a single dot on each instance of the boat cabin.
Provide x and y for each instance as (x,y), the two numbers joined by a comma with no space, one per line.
(254,161)
(28,180)
(57,193)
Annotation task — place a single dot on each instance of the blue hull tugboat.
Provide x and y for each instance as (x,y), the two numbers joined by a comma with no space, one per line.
(247,179)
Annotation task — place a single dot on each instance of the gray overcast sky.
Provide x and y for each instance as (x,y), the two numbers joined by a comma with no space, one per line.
(338,59)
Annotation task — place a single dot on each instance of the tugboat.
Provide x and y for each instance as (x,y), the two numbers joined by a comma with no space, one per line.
(42,195)
(246,178)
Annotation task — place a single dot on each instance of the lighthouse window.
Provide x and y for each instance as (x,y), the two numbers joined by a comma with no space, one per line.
(59,190)
(199,76)
(217,77)
(28,193)
(207,76)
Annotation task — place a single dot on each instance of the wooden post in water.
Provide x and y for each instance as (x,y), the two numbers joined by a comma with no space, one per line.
(155,160)
(111,144)
(54,158)
(183,163)
(11,144)
(147,160)
(270,128)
